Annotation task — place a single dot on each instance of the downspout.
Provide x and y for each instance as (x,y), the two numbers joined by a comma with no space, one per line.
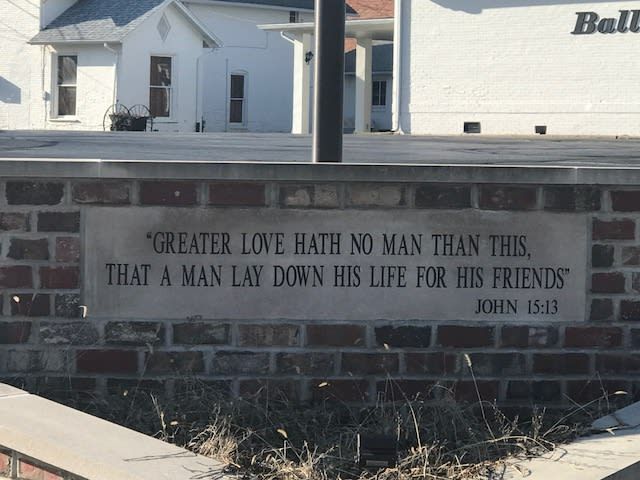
(397,67)
(116,63)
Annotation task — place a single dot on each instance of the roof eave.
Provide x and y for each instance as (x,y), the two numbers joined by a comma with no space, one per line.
(210,38)
(74,42)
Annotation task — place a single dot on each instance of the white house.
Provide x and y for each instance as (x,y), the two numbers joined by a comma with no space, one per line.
(567,67)
(195,63)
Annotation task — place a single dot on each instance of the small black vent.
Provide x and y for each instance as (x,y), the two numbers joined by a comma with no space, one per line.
(541,129)
(472,127)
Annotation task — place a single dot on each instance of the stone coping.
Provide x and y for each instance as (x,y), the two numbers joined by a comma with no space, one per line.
(308,172)
(92,448)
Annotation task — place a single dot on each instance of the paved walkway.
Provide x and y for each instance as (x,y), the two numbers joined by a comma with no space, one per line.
(375,148)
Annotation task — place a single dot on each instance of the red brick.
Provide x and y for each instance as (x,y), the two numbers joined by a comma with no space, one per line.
(372,8)
(624,229)
(629,311)
(436,363)
(403,390)
(581,337)
(487,364)
(183,363)
(59,222)
(75,333)
(237,194)
(443,196)
(134,333)
(602,256)
(572,199)
(465,337)
(528,337)
(27,249)
(17,222)
(315,363)
(281,390)
(495,197)
(29,470)
(17,276)
(5,463)
(209,333)
(67,305)
(336,335)
(269,335)
(625,201)
(30,305)
(107,361)
(467,391)
(102,193)
(376,195)
(601,309)
(305,196)
(407,337)
(561,363)
(621,364)
(584,391)
(15,332)
(68,249)
(340,390)
(631,256)
(608,282)
(34,193)
(127,386)
(227,363)
(59,277)
(168,193)
(541,391)
(369,363)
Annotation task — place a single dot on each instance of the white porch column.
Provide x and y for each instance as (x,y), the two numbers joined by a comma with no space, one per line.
(363,85)
(301,85)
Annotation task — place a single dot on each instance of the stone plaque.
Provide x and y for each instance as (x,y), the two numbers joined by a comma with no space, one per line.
(334,265)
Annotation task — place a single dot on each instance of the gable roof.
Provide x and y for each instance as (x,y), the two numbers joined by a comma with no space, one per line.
(373,8)
(99,21)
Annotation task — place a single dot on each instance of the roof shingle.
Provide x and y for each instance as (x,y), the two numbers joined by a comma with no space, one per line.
(97,21)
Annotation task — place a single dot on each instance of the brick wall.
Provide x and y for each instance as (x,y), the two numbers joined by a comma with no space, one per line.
(15,465)
(47,345)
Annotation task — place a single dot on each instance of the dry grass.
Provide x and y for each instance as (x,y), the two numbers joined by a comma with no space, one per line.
(273,439)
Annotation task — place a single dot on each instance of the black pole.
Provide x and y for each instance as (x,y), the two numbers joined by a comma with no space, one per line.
(329,81)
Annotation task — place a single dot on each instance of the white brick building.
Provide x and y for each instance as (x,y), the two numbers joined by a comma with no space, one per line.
(509,66)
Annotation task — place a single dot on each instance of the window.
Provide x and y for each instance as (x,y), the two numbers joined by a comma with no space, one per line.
(237,100)
(160,94)
(67,84)
(379,93)
(294,17)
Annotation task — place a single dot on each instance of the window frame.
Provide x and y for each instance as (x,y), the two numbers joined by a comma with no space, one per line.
(294,16)
(243,124)
(173,90)
(381,82)
(55,71)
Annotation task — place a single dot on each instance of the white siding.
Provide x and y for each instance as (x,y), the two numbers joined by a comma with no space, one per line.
(94,92)
(514,64)
(184,44)
(265,57)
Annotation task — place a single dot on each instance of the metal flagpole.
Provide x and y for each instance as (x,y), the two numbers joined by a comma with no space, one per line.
(329,81)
